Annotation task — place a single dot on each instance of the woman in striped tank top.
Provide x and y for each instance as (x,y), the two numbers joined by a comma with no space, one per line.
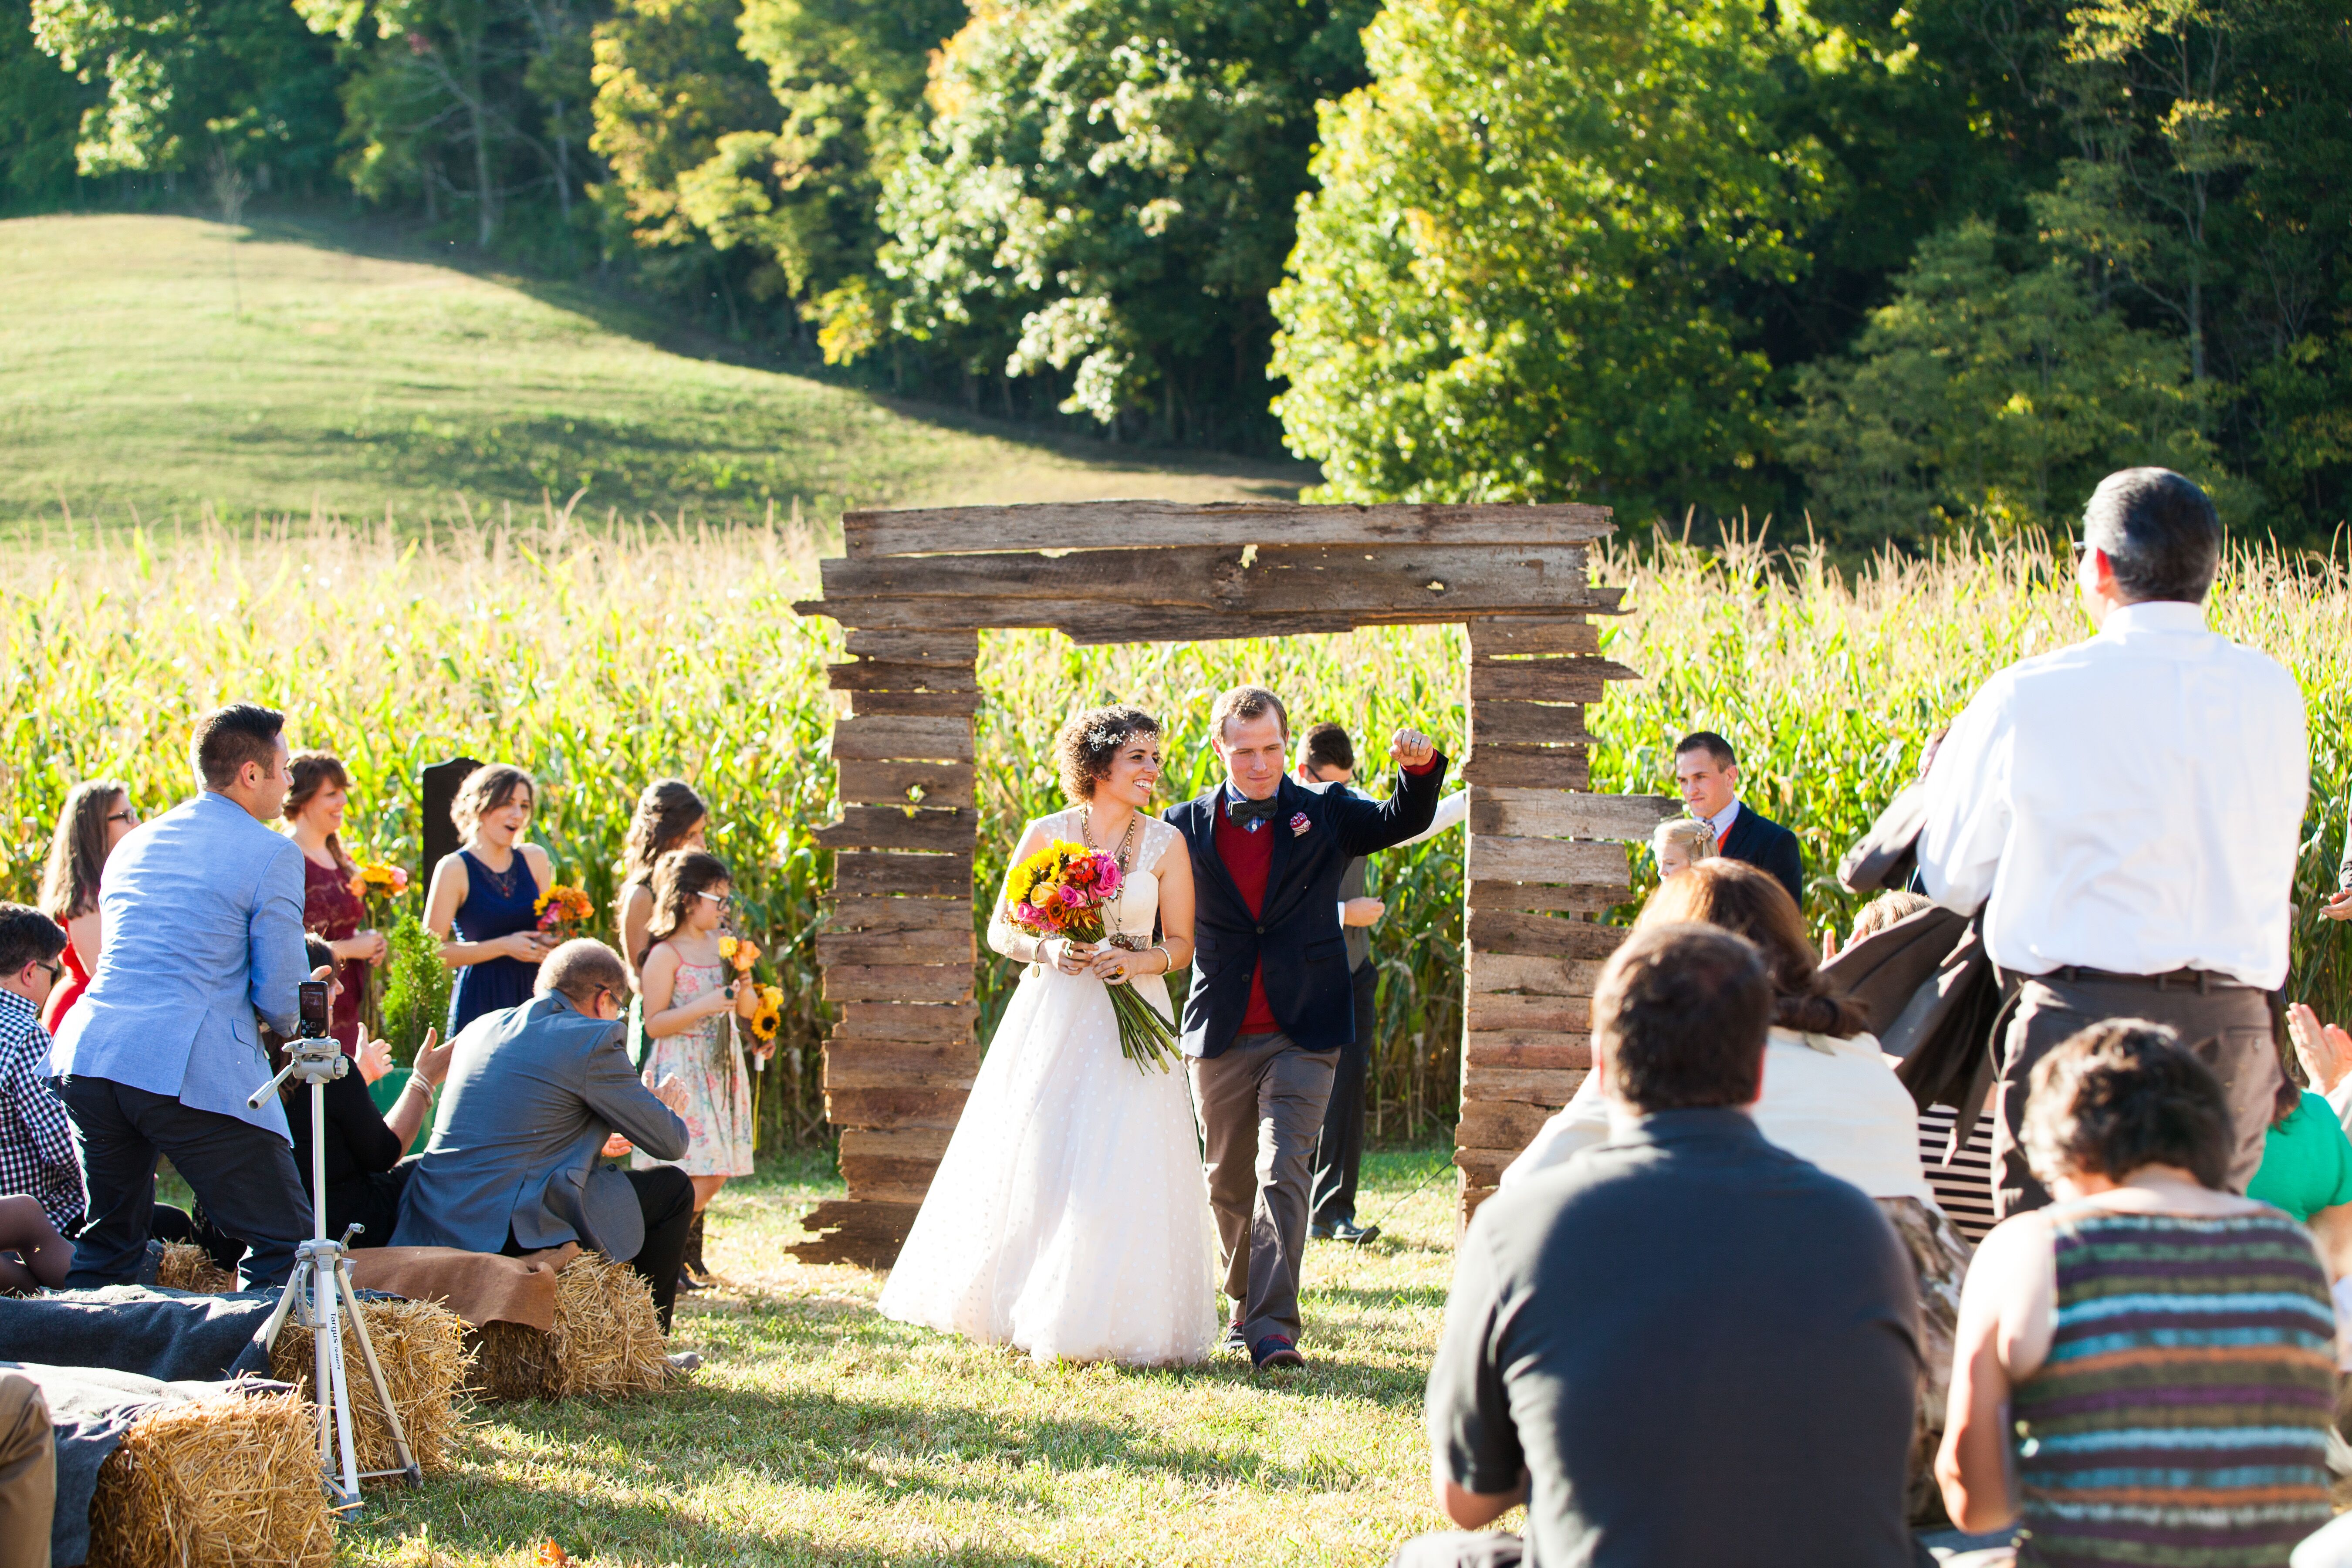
(2163,1348)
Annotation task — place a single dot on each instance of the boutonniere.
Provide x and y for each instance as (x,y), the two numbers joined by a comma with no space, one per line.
(1300,824)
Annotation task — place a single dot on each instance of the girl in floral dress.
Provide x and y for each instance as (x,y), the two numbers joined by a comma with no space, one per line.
(688,995)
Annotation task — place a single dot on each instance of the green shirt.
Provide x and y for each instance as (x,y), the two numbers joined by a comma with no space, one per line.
(2306,1162)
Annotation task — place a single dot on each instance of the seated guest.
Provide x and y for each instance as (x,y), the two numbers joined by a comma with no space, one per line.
(202,908)
(1685,1346)
(2307,1171)
(98,813)
(37,1152)
(1679,845)
(364,1170)
(2145,1370)
(29,1473)
(533,1092)
(1706,772)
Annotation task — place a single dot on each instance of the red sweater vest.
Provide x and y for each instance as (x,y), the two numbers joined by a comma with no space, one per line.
(1250,857)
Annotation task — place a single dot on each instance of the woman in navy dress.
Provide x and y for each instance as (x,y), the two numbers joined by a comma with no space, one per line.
(483,901)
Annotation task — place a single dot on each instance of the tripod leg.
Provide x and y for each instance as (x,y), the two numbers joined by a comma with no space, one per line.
(375,1375)
(331,1335)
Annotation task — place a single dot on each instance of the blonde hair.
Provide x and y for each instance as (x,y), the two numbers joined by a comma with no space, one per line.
(1696,838)
(1247,703)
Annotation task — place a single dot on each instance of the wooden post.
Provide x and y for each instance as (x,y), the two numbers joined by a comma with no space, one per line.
(1542,856)
(898,948)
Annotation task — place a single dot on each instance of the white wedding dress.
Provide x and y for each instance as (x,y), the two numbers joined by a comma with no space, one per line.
(1070,1218)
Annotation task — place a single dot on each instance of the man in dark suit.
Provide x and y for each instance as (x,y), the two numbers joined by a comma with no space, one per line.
(1707,772)
(1271,1002)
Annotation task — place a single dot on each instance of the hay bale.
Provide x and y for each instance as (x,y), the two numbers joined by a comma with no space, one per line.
(421,1345)
(607,1340)
(187,1267)
(223,1482)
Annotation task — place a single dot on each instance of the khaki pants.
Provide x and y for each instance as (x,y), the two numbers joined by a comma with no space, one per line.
(1261,1110)
(29,1473)
(2229,1028)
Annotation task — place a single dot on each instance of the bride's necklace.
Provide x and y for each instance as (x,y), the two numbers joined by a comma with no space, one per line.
(1126,842)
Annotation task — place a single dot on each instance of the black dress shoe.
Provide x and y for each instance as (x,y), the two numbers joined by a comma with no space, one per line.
(1351,1233)
(1318,1231)
(687,1283)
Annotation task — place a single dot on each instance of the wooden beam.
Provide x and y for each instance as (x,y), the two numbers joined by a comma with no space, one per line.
(1529,767)
(1545,679)
(900,828)
(1496,723)
(878,1064)
(894,1105)
(902,1143)
(1091,623)
(914,647)
(1531,1052)
(879,1179)
(904,784)
(1586,900)
(863,676)
(1550,1087)
(1130,524)
(914,704)
(1538,935)
(886,947)
(1549,814)
(1498,1124)
(902,740)
(1487,1011)
(900,914)
(1541,977)
(1482,1168)
(900,1021)
(1499,639)
(897,983)
(876,873)
(1497,859)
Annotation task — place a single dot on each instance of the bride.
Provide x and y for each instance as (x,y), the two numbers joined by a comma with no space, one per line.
(1069,1217)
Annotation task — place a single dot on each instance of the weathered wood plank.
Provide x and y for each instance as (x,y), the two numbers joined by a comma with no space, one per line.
(897,983)
(1482,1168)
(1497,1124)
(900,828)
(1501,639)
(1530,896)
(1551,814)
(1092,623)
(1538,935)
(1497,859)
(878,1064)
(895,1106)
(865,676)
(900,740)
(900,1021)
(1532,1053)
(874,873)
(897,947)
(914,704)
(886,1192)
(913,647)
(1541,976)
(1487,1011)
(1548,1087)
(1545,679)
(1527,724)
(879,1179)
(1472,1197)
(1129,524)
(898,1143)
(1529,767)
(904,784)
(847,914)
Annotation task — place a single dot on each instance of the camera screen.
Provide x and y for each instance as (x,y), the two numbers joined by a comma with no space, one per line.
(314,1006)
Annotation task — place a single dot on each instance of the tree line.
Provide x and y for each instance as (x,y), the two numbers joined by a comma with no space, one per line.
(1905,270)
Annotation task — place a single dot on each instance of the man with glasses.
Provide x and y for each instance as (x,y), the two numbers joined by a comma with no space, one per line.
(37,1152)
(2126,811)
(532,1095)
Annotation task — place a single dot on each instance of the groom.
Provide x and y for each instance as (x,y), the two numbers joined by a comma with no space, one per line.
(1272,1002)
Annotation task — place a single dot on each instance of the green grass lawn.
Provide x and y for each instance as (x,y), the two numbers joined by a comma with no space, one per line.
(138,378)
(819,1433)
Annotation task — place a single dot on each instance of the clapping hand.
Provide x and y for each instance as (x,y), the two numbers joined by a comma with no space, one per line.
(2324,1049)
(1411,749)
(615,1147)
(2338,906)
(433,1060)
(1362,912)
(373,1059)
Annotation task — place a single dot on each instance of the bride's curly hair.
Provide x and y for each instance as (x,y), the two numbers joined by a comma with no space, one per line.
(1090,740)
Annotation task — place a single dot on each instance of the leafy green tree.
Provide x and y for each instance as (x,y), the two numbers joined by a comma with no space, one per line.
(41,106)
(1984,397)
(1104,197)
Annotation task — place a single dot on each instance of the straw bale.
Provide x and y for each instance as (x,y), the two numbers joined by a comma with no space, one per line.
(222,1482)
(607,1340)
(421,1345)
(187,1267)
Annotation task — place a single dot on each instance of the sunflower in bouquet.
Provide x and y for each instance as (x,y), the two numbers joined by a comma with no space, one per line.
(767,1019)
(1062,890)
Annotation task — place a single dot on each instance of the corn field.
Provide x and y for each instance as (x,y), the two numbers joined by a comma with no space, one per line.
(600,659)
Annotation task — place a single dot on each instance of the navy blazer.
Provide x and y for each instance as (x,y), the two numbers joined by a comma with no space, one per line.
(1297,933)
(1763,843)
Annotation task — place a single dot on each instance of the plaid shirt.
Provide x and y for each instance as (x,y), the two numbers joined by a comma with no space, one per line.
(37,1148)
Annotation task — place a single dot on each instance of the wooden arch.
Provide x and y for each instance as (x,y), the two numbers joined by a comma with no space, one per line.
(913,592)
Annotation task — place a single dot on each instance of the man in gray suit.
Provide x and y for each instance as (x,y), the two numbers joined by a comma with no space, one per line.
(533,1093)
(203,911)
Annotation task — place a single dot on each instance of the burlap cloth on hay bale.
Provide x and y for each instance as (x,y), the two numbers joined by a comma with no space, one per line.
(547,1325)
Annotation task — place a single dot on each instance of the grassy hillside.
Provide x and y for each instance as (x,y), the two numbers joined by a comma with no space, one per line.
(160,366)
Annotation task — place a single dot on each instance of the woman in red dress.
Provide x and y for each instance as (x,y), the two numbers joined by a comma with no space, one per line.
(332,906)
(97,814)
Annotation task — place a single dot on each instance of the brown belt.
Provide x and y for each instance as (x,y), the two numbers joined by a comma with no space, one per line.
(2198,980)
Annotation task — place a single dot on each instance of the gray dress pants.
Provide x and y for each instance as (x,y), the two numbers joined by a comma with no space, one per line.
(1261,1108)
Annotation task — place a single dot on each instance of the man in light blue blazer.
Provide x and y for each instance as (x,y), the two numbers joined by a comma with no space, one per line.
(202,914)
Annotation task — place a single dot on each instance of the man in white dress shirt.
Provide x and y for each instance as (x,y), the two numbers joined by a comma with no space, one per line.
(2126,811)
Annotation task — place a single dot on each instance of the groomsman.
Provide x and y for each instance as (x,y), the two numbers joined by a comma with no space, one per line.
(1707,770)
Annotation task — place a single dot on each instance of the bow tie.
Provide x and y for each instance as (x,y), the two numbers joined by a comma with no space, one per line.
(1249,813)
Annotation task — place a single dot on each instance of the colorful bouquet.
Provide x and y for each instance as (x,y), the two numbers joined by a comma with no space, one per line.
(380,880)
(1061,890)
(560,907)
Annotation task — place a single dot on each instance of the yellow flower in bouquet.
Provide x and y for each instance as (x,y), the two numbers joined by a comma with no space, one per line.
(560,907)
(768,1019)
(1062,890)
(381,879)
